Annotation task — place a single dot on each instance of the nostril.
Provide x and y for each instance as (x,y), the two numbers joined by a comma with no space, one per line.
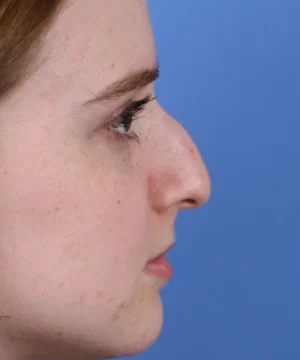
(199,199)
(189,204)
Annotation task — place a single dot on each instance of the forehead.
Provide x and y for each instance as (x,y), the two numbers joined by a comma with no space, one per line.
(100,40)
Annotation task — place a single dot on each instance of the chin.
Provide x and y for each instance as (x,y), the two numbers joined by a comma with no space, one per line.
(141,333)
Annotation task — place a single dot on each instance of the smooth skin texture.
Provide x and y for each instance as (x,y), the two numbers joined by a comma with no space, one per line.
(82,212)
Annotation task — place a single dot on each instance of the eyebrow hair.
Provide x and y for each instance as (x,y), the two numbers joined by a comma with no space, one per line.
(130,82)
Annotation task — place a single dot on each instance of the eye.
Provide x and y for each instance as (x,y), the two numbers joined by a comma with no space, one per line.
(121,123)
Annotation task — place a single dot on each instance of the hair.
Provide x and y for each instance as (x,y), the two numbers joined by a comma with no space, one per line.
(22,27)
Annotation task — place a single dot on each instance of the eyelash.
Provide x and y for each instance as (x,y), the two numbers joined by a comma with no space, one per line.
(130,114)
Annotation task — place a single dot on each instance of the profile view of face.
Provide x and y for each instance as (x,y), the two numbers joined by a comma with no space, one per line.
(93,174)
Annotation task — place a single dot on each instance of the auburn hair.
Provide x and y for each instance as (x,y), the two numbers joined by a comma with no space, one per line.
(23,24)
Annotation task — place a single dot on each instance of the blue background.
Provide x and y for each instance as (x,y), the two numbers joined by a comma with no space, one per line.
(230,73)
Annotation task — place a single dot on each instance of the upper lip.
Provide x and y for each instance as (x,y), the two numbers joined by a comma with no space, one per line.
(161,253)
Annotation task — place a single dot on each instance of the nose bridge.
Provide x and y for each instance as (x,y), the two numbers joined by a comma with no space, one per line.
(181,176)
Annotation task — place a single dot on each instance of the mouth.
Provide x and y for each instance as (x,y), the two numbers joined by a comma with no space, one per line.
(159,266)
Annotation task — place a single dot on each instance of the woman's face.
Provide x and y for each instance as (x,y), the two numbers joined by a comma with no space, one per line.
(82,209)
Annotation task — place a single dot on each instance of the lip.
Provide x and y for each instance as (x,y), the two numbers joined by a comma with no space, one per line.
(160,266)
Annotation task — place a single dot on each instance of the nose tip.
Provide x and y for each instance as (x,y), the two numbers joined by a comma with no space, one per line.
(199,190)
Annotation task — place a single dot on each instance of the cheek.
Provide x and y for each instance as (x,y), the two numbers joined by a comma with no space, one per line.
(69,229)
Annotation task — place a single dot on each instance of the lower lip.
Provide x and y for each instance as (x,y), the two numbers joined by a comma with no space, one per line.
(160,267)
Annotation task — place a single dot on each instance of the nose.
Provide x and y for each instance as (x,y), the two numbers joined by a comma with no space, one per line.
(179,178)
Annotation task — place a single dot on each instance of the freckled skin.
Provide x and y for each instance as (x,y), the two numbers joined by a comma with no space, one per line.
(192,150)
(81,214)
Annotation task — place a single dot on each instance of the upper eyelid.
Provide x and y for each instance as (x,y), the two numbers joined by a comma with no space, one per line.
(133,104)
(120,110)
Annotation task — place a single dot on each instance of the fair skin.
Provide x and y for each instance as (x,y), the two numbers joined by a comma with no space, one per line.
(82,212)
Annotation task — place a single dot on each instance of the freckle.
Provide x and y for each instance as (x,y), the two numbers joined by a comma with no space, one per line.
(79,218)
(192,150)
(45,164)
(99,294)
(112,66)
(102,186)
(66,160)
(100,182)
(57,209)
(119,202)
(59,333)
(14,338)
(110,30)
(82,298)
(122,305)
(115,317)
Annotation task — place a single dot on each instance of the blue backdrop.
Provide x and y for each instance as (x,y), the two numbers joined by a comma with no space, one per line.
(230,73)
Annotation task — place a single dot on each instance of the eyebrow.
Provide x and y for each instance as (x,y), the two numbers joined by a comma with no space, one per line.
(130,82)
